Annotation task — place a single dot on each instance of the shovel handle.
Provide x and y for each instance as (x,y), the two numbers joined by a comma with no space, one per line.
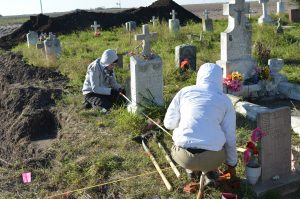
(163,177)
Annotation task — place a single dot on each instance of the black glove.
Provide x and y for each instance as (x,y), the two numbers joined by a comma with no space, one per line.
(123,91)
(114,92)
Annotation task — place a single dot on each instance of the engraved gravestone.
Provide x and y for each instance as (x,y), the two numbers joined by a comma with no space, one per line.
(32,38)
(236,40)
(174,24)
(52,47)
(146,75)
(185,51)
(275,155)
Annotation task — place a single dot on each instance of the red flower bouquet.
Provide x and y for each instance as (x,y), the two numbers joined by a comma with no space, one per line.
(233,81)
(252,148)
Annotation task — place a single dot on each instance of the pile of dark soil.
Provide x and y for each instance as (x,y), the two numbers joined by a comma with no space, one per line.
(80,20)
(27,113)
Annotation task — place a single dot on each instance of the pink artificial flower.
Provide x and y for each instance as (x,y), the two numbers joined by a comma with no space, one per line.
(247,155)
(257,134)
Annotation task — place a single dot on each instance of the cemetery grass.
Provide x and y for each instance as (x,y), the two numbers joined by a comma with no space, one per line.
(95,151)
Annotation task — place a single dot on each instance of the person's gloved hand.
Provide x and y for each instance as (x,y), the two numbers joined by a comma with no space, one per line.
(231,170)
(114,92)
(123,91)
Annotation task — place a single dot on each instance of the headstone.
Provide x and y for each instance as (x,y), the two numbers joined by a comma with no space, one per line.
(294,15)
(280,7)
(279,28)
(95,26)
(32,38)
(276,65)
(52,47)
(185,51)
(130,26)
(145,37)
(154,21)
(174,24)
(275,153)
(236,40)
(120,60)
(207,23)
(146,76)
(265,18)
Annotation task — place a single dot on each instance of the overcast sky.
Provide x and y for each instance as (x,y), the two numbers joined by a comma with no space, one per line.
(18,7)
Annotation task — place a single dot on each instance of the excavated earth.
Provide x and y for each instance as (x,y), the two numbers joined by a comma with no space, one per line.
(28,115)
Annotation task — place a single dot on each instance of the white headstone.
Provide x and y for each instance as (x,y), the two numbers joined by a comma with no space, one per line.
(32,38)
(280,7)
(265,18)
(236,40)
(52,47)
(174,24)
(154,21)
(95,26)
(130,26)
(145,37)
(146,82)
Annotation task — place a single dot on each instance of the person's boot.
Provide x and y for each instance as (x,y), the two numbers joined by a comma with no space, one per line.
(86,105)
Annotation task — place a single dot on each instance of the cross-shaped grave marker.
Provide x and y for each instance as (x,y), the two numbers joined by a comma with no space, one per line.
(205,13)
(236,10)
(153,20)
(146,36)
(173,13)
(95,26)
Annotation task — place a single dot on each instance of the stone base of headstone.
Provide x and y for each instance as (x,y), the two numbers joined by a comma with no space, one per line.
(207,25)
(146,82)
(244,66)
(290,90)
(285,185)
(174,25)
(265,20)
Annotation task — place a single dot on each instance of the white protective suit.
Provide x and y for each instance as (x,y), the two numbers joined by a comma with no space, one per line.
(96,79)
(202,116)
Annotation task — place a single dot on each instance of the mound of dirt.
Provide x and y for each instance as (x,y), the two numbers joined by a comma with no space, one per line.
(80,20)
(27,98)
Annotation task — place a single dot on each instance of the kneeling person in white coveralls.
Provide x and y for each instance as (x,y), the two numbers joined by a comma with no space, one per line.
(204,123)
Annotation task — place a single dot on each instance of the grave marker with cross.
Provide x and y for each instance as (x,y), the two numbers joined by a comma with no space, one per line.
(265,18)
(205,14)
(145,37)
(236,40)
(153,20)
(95,26)
(207,24)
(173,13)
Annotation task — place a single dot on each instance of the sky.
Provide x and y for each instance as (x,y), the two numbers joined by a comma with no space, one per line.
(19,7)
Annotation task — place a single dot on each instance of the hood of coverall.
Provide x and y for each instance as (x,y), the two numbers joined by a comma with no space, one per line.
(108,57)
(210,76)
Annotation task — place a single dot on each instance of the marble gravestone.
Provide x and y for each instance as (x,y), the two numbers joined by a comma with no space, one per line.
(265,18)
(146,75)
(32,38)
(185,51)
(294,15)
(207,23)
(236,40)
(52,47)
(174,24)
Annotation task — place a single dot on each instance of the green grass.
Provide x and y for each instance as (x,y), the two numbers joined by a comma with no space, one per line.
(11,20)
(93,148)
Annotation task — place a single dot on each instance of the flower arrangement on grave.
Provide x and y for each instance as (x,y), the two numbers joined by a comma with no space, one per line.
(233,81)
(253,148)
(258,74)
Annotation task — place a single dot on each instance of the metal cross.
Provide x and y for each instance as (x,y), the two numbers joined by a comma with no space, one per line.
(205,13)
